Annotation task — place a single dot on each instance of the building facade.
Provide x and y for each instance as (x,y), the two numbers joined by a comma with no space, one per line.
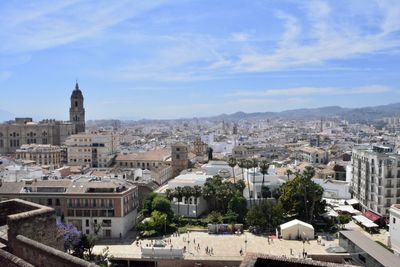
(375,178)
(107,209)
(41,154)
(23,131)
(96,149)
(394,228)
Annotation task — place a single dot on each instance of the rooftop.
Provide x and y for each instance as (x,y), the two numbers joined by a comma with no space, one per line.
(375,250)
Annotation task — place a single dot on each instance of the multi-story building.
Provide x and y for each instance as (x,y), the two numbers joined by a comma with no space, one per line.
(24,131)
(313,155)
(157,161)
(41,154)
(376,178)
(108,209)
(394,228)
(96,149)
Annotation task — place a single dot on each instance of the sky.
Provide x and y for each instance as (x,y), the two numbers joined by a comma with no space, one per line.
(193,58)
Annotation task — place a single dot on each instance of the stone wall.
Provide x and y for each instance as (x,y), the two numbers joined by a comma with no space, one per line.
(12,207)
(33,237)
(10,260)
(42,255)
(37,223)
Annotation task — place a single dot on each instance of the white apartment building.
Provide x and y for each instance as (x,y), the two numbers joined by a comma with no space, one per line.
(190,206)
(394,228)
(376,178)
(97,149)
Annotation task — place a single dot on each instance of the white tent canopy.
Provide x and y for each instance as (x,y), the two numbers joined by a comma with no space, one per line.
(297,229)
(365,221)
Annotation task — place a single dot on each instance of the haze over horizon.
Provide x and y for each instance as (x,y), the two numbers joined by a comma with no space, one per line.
(174,59)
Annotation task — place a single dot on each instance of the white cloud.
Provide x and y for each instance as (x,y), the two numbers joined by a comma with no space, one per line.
(44,25)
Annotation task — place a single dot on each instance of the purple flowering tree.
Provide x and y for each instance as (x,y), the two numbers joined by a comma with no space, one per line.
(72,238)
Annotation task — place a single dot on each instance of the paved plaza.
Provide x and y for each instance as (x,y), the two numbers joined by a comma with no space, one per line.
(222,246)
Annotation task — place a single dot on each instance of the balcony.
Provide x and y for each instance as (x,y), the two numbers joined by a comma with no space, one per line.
(389,186)
(389,195)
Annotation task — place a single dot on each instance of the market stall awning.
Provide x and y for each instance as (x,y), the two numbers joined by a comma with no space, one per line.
(365,221)
(372,216)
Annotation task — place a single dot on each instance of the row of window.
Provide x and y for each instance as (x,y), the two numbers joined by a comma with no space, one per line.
(90,213)
(90,203)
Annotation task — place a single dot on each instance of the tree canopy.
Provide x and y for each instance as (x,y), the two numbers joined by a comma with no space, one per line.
(302,197)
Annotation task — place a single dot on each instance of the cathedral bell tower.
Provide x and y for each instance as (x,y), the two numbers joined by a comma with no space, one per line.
(77,111)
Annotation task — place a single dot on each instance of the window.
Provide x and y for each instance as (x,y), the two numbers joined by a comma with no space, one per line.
(106,223)
(87,223)
(49,202)
(87,231)
(394,220)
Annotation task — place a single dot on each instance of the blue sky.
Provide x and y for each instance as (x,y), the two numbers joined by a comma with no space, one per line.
(181,58)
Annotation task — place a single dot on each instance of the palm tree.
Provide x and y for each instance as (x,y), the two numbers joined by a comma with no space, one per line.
(248,164)
(169,194)
(187,193)
(232,163)
(197,193)
(178,194)
(242,164)
(264,166)
(254,164)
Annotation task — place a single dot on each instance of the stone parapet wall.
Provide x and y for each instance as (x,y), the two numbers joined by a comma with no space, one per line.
(42,255)
(10,260)
(37,222)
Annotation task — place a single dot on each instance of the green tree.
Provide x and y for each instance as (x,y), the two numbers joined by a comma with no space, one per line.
(215,217)
(88,242)
(232,163)
(162,204)
(301,196)
(264,166)
(169,194)
(254,164)
(343,220)
(255,217)
(265,216)
(230,217)
(248,164)
(148,202)
(240,186)
(265,192)
(238,205)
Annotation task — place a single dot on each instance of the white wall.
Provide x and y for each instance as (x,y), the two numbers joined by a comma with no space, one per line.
(394,229)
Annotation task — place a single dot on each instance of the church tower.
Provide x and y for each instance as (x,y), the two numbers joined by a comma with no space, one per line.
(77,111)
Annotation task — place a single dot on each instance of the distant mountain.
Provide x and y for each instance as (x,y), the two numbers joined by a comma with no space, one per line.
(6,116)
(365,114)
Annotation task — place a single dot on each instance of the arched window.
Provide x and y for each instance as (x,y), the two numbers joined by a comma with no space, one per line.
(76,103)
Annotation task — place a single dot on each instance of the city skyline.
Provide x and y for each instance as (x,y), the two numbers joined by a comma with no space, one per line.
(173,59)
